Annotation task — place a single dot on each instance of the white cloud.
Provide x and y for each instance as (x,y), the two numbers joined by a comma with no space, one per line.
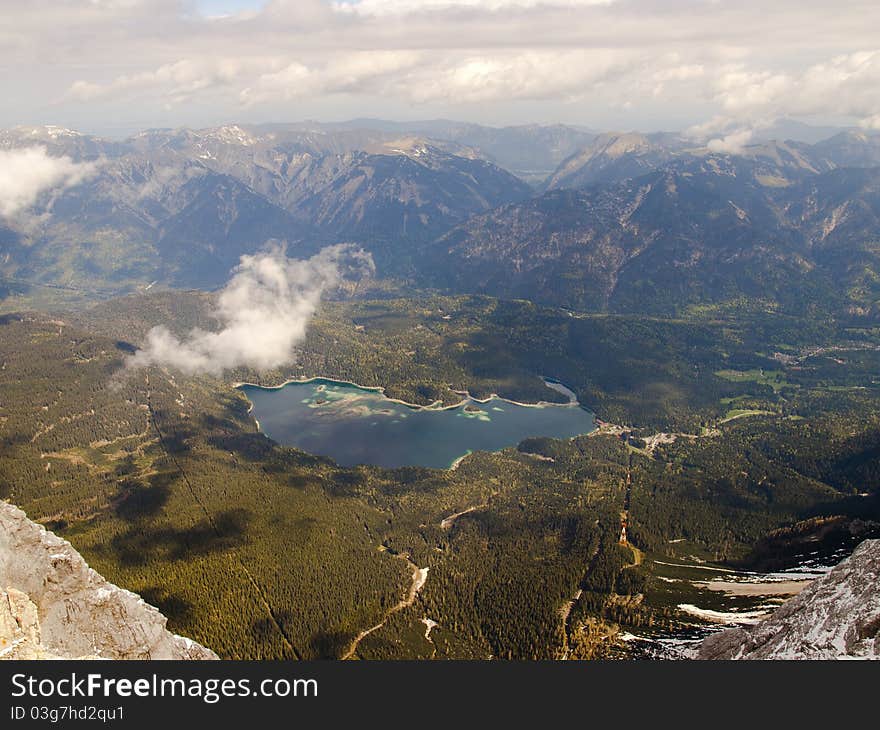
(633,63)
(529,75)
(871,122)
(27,172)
(742,91)
(417,76)
(263,311)
(179,81)
(682,72)
(406,7)
(847,85)
(346,73)
(732,143)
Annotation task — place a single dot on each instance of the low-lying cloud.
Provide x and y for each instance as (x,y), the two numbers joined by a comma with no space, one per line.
(846,85)
(263,311)
(27,172)
(731,144)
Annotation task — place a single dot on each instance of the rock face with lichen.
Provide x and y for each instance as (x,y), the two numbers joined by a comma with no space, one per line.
(836,617)
(53,605)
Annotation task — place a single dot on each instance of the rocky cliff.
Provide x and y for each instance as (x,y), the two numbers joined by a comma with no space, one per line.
(53,606)
(836,617)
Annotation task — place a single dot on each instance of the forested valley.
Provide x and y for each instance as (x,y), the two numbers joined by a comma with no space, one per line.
(727,439)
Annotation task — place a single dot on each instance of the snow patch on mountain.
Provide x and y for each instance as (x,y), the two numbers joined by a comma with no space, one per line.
(836,617)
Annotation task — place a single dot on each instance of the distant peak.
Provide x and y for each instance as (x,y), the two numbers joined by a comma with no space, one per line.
(231,134)
(50,131)
(624,143)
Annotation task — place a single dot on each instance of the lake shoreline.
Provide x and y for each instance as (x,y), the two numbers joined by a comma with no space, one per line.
(436,405)
(565,421)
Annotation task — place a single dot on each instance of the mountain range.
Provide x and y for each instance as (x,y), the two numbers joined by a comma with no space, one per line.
(180,207)
(775,226)
(620,222)
(729,434)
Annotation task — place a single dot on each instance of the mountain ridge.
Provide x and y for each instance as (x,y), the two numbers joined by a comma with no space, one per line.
(52,605)
(706,230)
(655,223)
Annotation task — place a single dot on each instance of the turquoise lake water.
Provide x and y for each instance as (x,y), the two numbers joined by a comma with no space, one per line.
(355,425)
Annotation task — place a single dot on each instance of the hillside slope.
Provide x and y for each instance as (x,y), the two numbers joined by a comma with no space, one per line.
(179,207)
(709,231)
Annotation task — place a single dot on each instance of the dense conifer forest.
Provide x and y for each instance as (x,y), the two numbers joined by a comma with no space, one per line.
(719,437)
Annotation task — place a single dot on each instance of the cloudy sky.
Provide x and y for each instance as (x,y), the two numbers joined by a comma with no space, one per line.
(717,67)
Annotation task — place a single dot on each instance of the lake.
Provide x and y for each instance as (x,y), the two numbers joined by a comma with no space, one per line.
(354,425)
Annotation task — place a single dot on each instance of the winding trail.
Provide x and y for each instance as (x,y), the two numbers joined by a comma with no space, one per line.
(430,624)
(419,578)
(447,522)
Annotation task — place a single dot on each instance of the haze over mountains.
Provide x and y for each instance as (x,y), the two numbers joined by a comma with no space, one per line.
(562,215)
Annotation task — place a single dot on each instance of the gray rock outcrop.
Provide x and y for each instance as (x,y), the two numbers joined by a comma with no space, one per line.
(53,605)
(835,617)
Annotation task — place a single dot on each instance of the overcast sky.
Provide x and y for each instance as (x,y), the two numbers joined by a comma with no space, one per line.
(720,68)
